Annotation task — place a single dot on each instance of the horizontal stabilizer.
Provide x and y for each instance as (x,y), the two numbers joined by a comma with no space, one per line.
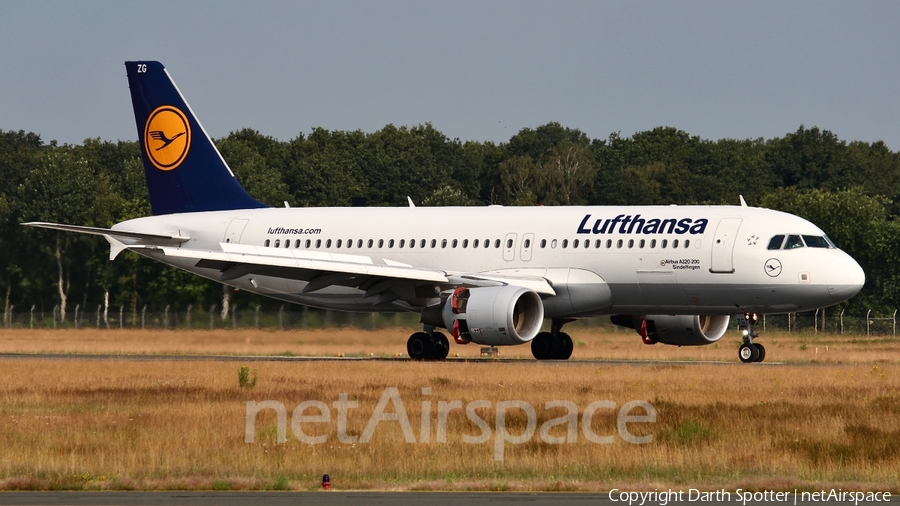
(121,234)
(119,240)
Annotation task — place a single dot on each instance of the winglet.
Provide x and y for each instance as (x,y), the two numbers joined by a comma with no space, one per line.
(743,202)
(410,201)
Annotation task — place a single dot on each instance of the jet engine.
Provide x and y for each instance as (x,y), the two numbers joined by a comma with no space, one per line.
(680,330)
(494,315)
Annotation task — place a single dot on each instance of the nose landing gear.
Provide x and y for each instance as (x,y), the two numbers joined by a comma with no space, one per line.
(750,351)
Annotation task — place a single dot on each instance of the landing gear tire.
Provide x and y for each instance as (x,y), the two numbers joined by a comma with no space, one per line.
(749,352)
(762,352)
(564,347)
(420,346)
(546,346)
(441,346)
(542,346)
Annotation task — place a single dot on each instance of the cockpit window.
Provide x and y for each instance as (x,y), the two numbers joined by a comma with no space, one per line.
(793,241)
(775,242)
(815,241)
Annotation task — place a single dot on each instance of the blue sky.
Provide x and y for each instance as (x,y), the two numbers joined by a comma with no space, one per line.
(474,70)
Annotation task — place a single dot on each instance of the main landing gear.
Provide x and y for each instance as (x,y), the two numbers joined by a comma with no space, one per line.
(428,345)
(553,345)
(750,351)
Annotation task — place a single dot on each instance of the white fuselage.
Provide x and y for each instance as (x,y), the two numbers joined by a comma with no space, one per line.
(599,260)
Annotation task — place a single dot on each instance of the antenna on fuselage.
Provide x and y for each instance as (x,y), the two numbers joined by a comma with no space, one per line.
(743,202)
(410,201)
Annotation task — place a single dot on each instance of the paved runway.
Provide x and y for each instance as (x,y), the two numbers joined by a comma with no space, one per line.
(335,498)
(291,358)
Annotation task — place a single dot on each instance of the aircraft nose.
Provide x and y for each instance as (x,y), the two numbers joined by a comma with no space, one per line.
(845,278)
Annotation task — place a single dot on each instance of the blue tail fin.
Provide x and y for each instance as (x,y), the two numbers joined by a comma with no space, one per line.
(185,172)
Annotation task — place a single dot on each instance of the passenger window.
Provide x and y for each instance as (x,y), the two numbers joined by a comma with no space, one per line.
(422,243)
(339,243)
(608,243)
(641,244)
(391,243)
(318,243)
(663,244)
(297,243)
(565,243)
(675,243)
(815,241)
(652,243)
(277,243)
(630,243)
(266,244)
(349,243)
(487,243)
(619,243)
(543,243)
(496,243)
(775,242)
(553,244)
(598,243)
(402,243)
(412,243)
(369,243)
(328,243)
(793,242)
(359,243)
(587,243)
(433,243)
(527,243)
(444,243)
(575,243)
(509,243)
(687,243)
(380,243)
(287,243)
(465,243)
(475,243)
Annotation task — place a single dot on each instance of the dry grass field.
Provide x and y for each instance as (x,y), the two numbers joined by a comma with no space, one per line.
(125,424)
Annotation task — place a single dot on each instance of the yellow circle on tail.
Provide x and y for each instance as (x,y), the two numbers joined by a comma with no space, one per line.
(167,137)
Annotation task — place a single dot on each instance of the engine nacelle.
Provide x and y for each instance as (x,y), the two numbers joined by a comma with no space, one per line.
(679,330)
(493,315)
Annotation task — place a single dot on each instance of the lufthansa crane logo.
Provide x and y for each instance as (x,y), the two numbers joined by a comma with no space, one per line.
(773,267)
(167,137)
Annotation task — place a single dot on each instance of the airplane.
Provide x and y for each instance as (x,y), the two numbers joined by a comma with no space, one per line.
(488,275)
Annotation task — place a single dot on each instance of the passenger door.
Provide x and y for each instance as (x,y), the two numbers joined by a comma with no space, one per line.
(723,245)
(235,231)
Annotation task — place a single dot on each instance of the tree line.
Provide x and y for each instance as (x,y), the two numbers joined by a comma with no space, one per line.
(849,189)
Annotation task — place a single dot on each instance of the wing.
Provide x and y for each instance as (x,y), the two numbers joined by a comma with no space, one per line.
(381,278)
(384,279)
